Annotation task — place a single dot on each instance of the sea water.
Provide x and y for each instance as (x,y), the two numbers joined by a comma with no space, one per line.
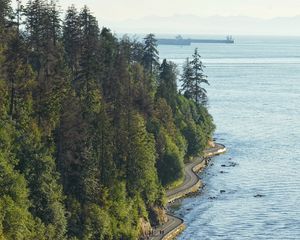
(254,98)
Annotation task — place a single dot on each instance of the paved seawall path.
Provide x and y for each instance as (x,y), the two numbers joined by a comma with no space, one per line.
(191,184)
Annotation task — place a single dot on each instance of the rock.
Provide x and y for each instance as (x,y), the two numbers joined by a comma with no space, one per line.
(232,164)
(259,195)
(212,198)
(222,191)
(211,143)
(223,165)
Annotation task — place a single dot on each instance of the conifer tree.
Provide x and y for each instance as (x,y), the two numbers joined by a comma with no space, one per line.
(150,58)
(198,92)
(167,83)
(5,11)
(187,79)
(89,61)
(107,55)
(46,58)
(141,173)
(72,39)
(90,127)
(193,78)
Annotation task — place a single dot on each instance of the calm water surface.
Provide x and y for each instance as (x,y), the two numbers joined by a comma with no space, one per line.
(255,101)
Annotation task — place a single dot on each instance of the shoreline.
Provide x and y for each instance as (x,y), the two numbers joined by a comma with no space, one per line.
(192,183)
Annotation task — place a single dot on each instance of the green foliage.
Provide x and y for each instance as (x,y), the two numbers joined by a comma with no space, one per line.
(187,80)
(124,213)
(170,144)
(72,39)
(97,224)
(5,11)
(193,78)
(15,220)
(150,57)
(91,128)
(170,164)
(167,85)
(39,169)
(141,172)
(196,125)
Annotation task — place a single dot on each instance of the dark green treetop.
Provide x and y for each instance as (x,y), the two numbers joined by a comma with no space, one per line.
(150,58)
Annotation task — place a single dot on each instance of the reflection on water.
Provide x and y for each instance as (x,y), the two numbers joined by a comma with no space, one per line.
(252,192)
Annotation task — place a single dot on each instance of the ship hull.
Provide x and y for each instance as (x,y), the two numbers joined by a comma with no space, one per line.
(186,42)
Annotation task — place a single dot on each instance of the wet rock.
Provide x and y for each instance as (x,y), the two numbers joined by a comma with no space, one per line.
(222,191)
(259,195)
(232,164)
(212,198)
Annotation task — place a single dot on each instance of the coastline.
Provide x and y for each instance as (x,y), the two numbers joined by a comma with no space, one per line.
(175,225)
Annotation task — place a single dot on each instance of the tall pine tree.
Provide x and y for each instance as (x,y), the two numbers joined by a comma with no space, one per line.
(150,58)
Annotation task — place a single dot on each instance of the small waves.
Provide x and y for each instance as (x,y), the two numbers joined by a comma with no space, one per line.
(254,99)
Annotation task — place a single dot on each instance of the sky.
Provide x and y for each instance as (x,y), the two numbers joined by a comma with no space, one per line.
(119,10)
(201,17)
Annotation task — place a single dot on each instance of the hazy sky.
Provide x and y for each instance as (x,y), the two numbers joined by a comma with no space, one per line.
(133,9)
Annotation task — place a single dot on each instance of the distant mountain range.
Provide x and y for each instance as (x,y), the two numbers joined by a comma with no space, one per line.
(191,24)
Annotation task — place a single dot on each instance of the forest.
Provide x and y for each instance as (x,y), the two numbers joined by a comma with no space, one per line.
(93,127)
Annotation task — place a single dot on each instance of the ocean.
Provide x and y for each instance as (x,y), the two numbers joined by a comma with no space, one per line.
(254,97)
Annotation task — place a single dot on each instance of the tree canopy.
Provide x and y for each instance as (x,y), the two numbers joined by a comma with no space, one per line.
(92,128)
(193,78)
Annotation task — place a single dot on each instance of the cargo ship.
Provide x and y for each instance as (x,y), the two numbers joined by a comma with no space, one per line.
(179,40)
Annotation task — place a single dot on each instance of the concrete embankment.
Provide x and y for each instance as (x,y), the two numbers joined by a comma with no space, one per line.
(191,184)
(175,232)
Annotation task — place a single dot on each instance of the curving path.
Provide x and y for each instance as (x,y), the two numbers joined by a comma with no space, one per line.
(175,224)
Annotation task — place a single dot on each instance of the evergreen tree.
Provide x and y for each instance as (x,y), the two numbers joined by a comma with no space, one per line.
(193,78)
(169,144)
(107,55)
(38,166)
(19,74)
(89,61)
(150,58)
(72,40)
(46,58)
(5,11)
(199,93)
(187,79)
(141,172)
(16,221)
(97,224)
(143,90)
(167,83)
(91,128)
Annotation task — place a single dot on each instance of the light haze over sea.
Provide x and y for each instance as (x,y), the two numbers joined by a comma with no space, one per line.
(254,98)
